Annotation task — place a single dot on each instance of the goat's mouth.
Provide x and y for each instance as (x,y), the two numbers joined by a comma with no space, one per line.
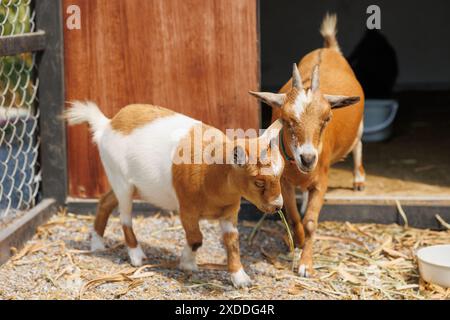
(268,209)
(305,169)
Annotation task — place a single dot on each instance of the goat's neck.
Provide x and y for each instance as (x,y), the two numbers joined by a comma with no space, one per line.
(222,182)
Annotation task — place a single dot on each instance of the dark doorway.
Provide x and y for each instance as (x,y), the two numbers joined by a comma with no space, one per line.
(415,161)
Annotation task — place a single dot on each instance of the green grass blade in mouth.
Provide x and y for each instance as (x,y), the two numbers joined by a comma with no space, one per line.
(288,230)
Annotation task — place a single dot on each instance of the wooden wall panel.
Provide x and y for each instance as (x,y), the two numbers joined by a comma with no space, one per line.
(197,57)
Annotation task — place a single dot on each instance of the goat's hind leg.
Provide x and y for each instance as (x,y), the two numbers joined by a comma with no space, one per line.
(359,175)
(107,203)
(125,198)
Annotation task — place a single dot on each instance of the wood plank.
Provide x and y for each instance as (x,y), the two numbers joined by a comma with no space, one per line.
(194,56)
(24,228)
(21,43)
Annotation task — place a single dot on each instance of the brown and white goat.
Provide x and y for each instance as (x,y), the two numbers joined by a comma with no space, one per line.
(156,153)
(317,132)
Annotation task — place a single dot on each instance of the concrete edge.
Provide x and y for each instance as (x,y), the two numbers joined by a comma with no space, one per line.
(419,215)
(21,230)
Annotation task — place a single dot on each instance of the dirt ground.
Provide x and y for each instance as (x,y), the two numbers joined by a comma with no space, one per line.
(351,262)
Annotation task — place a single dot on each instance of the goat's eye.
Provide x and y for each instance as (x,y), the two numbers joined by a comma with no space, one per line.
(260,183)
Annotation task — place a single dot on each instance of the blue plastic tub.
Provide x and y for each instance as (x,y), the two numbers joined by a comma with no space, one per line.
(379,118)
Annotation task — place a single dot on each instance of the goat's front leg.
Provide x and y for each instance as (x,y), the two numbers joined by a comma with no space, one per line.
(310,222)
(230,234)
(290,204)
(194,239)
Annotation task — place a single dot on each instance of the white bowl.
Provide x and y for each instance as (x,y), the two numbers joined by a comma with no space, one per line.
(434,264)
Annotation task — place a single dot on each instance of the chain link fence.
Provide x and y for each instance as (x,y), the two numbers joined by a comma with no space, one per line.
(19,114)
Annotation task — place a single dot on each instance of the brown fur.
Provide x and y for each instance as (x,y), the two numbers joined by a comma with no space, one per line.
(108,202)
(231,242)
(137,115)
(214,191)
(211,191)
(130,237)
(222,184)
(335,142)
(336,77)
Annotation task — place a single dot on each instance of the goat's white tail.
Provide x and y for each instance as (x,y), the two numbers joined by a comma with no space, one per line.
(81,112)
(329,31)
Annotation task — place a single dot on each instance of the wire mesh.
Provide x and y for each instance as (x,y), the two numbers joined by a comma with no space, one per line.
(19,140)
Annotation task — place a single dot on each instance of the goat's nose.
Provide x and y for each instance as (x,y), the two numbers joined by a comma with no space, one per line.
(308,159)
(278,203)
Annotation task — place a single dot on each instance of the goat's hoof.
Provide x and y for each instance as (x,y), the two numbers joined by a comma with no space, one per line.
(304,271)
(136,256)
(359,186)
(240,279)
(189,266)
(97,243)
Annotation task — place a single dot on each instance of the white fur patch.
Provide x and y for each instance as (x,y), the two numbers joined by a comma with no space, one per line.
(357,163)
(359,178)
(303,271)
(126,218)
(277,164)
(357,156)
(227,227)
(361,129)
(307,148)
(301,101)
(125,207)
(358,137)
(136,256)
(278,201)
(240,279)
(187,259)
(143,159)
(97,243)
(305,197)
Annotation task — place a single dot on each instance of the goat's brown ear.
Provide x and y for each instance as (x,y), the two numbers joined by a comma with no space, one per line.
(341,101)
(239,156)
(273,131)
(275,100)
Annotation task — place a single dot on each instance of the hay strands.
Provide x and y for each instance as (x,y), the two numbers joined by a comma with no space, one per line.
(402,213)
(256,228)
(445,224)
(288,230)
(129,274)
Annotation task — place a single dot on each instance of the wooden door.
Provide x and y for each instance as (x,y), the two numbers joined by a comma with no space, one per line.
(198,57)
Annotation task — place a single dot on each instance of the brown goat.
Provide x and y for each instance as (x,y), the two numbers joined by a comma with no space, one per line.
(180,164)
(317,132)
